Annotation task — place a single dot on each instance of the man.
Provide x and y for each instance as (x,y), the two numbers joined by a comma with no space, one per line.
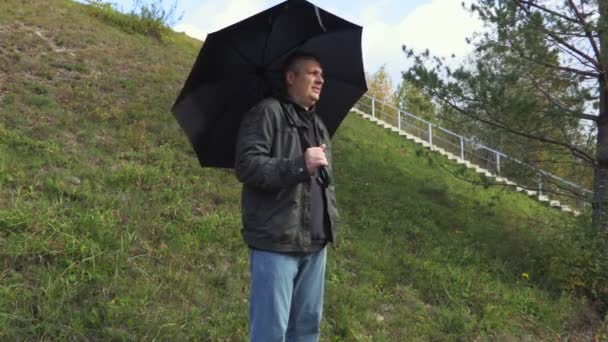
(289,210)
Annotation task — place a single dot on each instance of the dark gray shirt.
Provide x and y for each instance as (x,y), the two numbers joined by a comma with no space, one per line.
(319,219)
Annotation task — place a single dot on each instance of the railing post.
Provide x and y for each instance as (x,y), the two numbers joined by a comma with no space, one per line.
(373,106)
(540,184)
(461,148)
(498,163)
(430,133)
(399,119)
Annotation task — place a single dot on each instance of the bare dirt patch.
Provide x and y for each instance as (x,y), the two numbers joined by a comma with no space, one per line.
(52,44)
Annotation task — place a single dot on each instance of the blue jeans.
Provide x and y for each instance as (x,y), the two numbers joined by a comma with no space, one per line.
(286,301)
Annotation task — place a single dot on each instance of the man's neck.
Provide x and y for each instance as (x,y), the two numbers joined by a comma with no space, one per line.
(299,102)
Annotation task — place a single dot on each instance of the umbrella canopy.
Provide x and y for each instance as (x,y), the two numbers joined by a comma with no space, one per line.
(241,64)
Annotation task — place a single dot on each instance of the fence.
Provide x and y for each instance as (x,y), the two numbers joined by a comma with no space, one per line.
(496,162)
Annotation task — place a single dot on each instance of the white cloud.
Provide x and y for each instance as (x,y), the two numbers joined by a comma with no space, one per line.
(237,10)
(440,26)
(214,15)
(191,30)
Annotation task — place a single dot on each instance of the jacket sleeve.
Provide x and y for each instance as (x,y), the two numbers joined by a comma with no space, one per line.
(254,165)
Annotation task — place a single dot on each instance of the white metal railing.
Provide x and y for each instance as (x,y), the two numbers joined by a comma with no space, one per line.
(469,149)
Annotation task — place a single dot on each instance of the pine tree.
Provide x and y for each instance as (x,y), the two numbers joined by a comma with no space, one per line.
(539,75)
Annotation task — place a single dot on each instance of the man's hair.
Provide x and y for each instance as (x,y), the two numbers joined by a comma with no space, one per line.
(294,58)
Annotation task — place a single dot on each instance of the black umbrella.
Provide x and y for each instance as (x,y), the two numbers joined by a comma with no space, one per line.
(241,64)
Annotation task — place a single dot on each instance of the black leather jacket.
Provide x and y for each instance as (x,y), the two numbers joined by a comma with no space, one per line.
(276,197)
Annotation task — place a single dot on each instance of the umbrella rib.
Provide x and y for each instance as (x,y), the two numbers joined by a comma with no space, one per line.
(272,22)
(319,19)
(289,50)
(249,60)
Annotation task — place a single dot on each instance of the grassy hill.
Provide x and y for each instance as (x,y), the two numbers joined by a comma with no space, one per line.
(109,229)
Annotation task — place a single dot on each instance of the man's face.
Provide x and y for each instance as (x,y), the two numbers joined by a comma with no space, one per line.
(305,83)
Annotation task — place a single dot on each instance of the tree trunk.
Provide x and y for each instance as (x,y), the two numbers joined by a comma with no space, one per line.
(600,186)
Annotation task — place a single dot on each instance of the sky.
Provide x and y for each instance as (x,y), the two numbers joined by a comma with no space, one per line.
(438,25)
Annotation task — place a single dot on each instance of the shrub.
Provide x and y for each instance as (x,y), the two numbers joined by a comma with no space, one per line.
(147,17)
(578,260)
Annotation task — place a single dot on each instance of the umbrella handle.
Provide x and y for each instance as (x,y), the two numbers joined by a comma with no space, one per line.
(324,178)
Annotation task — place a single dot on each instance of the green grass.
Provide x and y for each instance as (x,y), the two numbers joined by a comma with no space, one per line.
(109,229)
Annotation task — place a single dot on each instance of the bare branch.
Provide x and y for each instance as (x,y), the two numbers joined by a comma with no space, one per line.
(574,34)
(520,3)
(589,117)
(552,66)
(585,27)
(557,38)
(562,68)
(548,96)
(578,58)
(572,48)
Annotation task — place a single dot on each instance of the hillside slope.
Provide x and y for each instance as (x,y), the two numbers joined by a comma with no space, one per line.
(109,229)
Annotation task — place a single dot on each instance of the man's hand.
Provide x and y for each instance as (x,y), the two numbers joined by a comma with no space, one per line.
(315,158)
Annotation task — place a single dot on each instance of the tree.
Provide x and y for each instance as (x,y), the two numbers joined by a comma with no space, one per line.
(380,85)
(409,98)
(545,81)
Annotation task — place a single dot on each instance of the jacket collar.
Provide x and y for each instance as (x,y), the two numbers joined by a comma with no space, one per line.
(291,112)
(295,120)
